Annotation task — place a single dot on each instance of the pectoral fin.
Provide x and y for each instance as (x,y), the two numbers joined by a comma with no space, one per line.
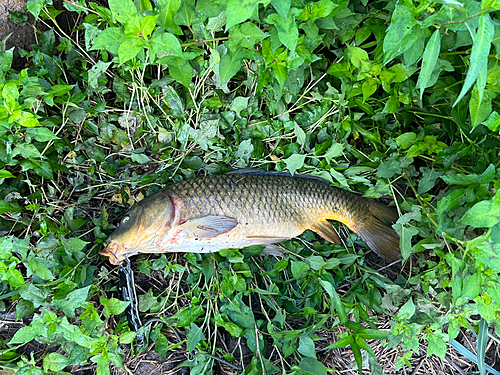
(208,226)
(325,230)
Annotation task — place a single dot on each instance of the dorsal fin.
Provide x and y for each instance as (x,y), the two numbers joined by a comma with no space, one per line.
(259,172)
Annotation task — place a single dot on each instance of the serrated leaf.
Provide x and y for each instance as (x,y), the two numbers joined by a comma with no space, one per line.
(479,54)
(429,60)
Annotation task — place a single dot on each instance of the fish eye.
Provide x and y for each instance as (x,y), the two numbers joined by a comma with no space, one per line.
(125,219)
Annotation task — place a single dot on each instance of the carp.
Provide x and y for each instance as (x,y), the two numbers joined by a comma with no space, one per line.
(244,208)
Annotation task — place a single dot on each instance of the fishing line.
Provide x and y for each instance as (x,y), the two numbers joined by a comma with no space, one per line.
(127,287)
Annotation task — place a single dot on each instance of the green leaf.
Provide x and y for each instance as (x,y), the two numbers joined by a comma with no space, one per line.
(406,140)
(405,236)
(428,180)
(167,10)
(311,366)
(316,262)
(334,151)
(282,7)
(429,59)
(299,269)
(55,362)
(300,134)
(436,344)
(103,363)
(27,151)
(479,54)
(40,269)
(336,302)
(239,312)
(340,70)
(73,245)
(179,69)
(129,49)
(479,109)
(306,346)
(493,121)
(113,306)
(246,35)
(230,64)
(295,162)
(400,35)
(41,134)
(369,87)
(165,44)
(389,168)
(72,301)
(288,33)
(239,11)
(464,180)
(110,39)
(358,56)
(5,174)
(194,336)
(125,12)
(244,151)
(483,214)
(406,311)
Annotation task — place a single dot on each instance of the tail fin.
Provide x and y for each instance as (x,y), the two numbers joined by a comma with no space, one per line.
(377,232)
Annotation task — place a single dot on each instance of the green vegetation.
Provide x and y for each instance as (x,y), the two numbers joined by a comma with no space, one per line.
(387,98)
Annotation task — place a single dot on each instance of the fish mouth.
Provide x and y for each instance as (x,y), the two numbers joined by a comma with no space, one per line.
(115,253)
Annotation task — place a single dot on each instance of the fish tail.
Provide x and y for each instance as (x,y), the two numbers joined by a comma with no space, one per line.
(376,230)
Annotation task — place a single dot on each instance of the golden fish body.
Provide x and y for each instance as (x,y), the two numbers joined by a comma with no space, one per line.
(240,209)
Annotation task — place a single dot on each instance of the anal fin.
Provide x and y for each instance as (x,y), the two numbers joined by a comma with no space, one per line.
(325,230)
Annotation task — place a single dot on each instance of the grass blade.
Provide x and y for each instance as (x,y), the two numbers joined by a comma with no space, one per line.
(481,345)
(471,356)
(479,54)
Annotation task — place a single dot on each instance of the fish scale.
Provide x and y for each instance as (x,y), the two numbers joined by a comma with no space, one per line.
(252,198)
(241,209)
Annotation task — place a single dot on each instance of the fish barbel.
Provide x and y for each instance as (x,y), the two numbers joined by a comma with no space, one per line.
(240,209)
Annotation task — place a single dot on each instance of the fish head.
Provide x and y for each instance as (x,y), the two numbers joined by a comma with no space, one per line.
(140,227)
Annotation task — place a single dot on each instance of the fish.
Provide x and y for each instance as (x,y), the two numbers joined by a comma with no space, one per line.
(247,207)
